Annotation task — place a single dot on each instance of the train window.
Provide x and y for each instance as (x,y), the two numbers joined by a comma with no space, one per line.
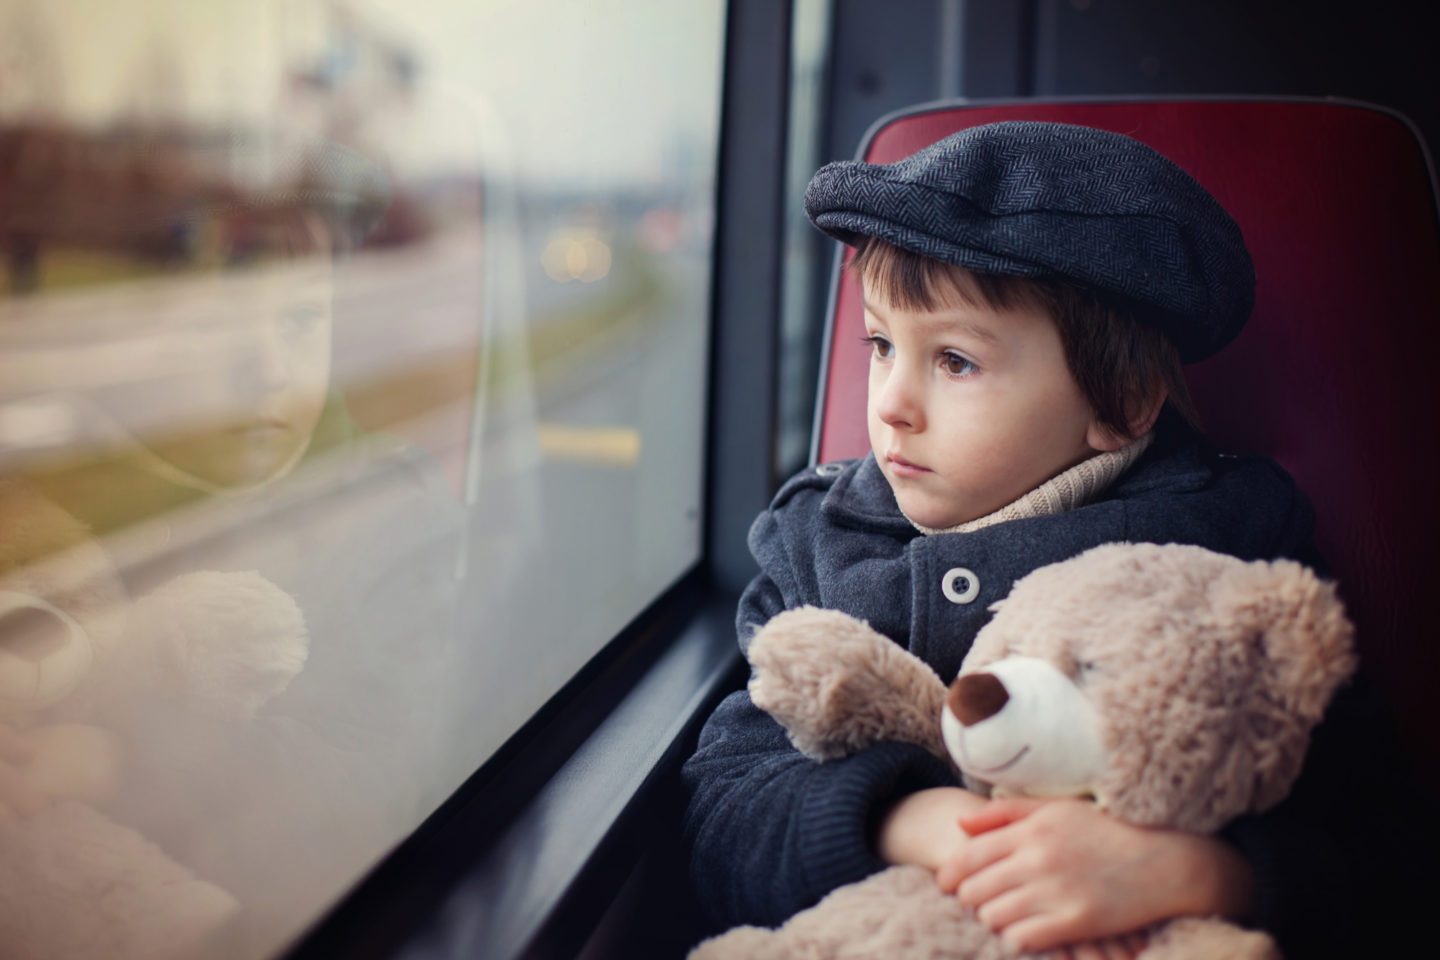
(803,285)
(353,358)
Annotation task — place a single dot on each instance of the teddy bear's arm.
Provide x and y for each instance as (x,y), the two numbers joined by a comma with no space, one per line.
(837,686)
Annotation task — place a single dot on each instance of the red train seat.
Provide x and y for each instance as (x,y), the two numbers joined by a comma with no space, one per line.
(1332,377)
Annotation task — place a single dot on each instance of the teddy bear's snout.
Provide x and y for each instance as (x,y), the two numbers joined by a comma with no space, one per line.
(975,697)
(32,633)
(1023,725)
(43,652)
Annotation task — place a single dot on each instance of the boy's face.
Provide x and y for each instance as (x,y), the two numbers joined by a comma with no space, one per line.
(970,408)
(242,381)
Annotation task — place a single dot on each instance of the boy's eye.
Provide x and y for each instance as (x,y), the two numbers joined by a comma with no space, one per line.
(301,319)
(957,365)
(881,346)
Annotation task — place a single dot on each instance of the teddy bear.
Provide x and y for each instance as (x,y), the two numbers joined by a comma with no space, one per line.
(1173,686)
(76,653)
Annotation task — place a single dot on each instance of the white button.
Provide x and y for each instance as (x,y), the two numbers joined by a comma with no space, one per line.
(960,585)
(829,469)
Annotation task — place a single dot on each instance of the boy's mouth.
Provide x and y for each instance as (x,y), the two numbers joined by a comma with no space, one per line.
(902,467)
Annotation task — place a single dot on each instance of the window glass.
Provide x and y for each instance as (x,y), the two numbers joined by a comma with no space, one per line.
(352,371)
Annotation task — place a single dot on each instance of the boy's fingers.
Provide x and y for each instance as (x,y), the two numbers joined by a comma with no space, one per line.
(999,813)
(18,795)
(948,877)
(1116,949)
(1038,933)
(13,748)
(1008,908)
(1136,942)
(978,854)
(985,885)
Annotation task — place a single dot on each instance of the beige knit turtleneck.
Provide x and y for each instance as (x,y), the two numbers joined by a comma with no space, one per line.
(1064,491)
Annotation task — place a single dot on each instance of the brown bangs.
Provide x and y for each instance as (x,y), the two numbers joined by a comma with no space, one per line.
(1117,360)
(913,282)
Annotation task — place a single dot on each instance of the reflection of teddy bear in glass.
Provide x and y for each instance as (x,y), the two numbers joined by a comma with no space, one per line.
(75,652)
(215,443)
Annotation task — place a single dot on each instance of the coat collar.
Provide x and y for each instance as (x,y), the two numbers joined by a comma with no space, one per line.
(861,497)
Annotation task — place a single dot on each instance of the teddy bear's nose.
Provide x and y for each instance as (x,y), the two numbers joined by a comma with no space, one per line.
(976,696)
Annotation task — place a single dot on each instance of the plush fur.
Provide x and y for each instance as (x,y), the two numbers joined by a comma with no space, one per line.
(77,885)
(73,881)
(1202,675)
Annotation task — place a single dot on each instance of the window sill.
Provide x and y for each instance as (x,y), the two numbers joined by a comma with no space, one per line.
(549,878)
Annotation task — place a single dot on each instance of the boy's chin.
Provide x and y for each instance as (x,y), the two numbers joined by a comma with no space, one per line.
(926,513)
(232,460)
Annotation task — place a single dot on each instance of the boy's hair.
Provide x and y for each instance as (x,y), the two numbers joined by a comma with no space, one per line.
(1116,360)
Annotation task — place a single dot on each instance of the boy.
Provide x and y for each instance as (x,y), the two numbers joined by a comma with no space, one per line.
(1031,290)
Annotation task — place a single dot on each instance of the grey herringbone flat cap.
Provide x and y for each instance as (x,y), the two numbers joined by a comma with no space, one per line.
(1055,200)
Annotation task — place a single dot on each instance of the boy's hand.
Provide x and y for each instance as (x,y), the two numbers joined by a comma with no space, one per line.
(923,830)
(17,797)
(1046,873)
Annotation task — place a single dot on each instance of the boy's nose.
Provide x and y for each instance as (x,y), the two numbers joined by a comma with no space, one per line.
(898,404)
(269,364)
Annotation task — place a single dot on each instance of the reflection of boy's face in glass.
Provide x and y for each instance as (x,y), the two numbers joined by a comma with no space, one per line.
(244,377)
(264,376)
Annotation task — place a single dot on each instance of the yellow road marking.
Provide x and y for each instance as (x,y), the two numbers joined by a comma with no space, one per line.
(618,446)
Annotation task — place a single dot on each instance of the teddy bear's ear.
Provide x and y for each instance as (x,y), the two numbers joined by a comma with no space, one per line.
(1306,644)
(1303,630)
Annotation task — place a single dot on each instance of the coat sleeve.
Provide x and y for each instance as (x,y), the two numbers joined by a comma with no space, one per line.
(771,831)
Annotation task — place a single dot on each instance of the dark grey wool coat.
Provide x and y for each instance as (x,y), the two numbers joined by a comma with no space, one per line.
(771,831)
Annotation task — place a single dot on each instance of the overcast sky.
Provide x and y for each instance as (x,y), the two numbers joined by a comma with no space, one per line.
(569,89)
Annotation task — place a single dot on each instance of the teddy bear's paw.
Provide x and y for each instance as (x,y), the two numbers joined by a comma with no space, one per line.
(74,883)
(231,641)
(1196,938)
(837,686)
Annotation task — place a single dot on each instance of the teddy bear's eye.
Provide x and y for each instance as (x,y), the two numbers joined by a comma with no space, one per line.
(1077,670)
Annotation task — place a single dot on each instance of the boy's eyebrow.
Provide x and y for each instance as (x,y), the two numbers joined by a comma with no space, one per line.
(951,321)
